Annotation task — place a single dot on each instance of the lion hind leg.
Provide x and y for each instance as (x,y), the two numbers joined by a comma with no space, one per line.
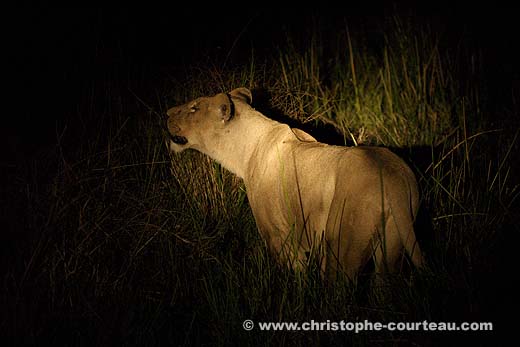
(412,248)
(386,247)
(398,233)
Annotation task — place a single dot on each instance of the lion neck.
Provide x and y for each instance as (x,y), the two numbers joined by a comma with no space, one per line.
(237,145)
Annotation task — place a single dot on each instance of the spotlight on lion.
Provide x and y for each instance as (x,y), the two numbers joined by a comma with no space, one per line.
(344,204)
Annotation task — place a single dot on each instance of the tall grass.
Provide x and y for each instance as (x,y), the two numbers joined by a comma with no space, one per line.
(128,243)
(401,95)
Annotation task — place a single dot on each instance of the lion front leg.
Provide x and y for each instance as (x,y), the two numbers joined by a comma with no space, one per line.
(288,254)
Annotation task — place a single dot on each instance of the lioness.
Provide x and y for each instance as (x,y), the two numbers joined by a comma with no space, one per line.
(343,205)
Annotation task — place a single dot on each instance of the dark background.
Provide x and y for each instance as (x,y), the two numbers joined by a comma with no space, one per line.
(60,59)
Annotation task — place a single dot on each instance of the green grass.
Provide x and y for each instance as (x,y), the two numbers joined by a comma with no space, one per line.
(126,243)
(399,96)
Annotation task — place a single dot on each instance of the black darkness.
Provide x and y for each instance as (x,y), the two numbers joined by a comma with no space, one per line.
(55,57)
(63,61)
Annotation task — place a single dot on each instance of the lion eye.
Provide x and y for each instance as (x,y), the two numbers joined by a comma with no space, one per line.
(193,108)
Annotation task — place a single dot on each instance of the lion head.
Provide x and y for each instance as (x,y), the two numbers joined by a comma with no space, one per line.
(192,124)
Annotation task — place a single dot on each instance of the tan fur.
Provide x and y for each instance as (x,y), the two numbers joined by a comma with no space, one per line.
(342,205)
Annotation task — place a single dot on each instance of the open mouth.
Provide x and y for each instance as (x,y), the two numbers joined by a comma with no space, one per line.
(180,140)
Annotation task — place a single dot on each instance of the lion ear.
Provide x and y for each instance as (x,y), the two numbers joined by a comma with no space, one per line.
(243,94)
(226,108)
